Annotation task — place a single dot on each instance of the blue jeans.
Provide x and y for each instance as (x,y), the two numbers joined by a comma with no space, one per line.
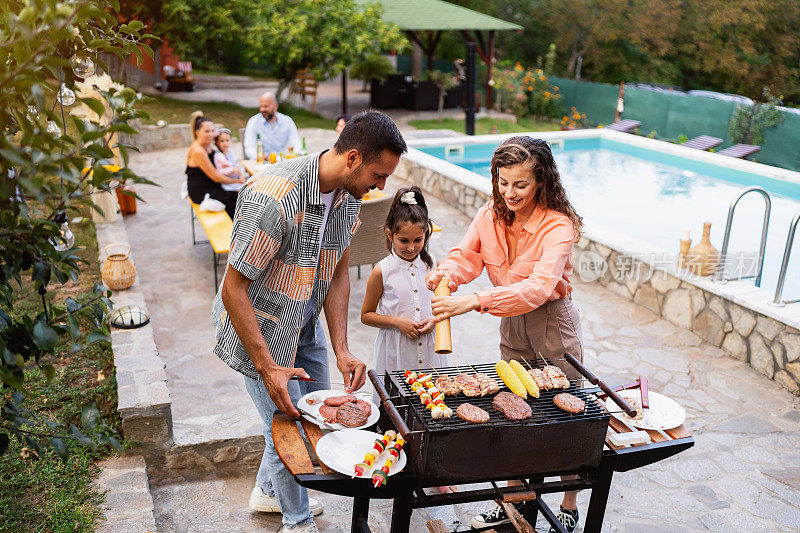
(273,478)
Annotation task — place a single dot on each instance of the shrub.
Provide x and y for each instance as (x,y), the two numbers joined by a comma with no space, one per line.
(749,122)
(528,92)
(574,119)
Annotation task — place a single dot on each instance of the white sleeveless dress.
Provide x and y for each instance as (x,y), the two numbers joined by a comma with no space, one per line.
(404,294)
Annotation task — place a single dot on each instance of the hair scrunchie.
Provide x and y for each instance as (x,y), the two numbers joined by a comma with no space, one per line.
(408,198)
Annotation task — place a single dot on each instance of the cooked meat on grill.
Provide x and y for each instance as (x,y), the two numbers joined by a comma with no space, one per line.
(351,415)
(569,403)
(511,406)
(488,384)
(447,386)
(549,377)
(472,413)
(468,385)
(336,401)
(328,412)
(364,406)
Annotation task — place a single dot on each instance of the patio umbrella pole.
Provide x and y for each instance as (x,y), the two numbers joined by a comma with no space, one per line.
(469,92)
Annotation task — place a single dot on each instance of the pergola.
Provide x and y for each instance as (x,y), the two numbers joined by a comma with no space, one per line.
(423,21)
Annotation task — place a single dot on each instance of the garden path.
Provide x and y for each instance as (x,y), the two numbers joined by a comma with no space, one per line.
(743,473)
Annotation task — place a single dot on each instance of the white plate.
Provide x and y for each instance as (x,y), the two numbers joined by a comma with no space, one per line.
(303,405)
(663,413)
(342,450)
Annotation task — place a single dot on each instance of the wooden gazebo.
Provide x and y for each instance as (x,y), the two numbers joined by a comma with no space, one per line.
(423,21)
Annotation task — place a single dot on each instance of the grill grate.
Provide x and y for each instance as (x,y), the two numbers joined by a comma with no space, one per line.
(543,409)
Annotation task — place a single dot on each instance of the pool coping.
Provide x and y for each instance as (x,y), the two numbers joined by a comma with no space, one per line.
(708,314)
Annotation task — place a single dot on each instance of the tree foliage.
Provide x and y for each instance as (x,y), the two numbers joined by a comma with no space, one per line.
(326,37)
(720,45)
(46,175)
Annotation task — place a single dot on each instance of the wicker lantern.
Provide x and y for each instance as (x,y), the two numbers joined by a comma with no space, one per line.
(118,271)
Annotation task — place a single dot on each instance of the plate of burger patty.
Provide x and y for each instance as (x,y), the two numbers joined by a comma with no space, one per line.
(339,409)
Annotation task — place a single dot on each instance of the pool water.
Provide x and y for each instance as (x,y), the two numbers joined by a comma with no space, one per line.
(652,197)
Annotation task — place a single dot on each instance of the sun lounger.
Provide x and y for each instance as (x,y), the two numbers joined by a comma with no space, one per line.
(742,151)
(624,126)
(703,142)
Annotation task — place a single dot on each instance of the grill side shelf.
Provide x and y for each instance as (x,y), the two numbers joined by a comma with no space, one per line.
(543,409)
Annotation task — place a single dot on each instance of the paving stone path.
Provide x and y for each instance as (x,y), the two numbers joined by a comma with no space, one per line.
(742,475)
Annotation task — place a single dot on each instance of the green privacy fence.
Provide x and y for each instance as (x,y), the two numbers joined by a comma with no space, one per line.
(671,114)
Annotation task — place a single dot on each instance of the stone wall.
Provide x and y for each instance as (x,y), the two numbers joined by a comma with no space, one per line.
(769,346)
(152,138)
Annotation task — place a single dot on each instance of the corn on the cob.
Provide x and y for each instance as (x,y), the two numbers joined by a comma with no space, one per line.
(525,378)
(510,378)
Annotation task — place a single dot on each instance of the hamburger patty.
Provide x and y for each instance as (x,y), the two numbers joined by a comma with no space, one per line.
(569,403)
(364,406)
(336,401)
(351,415)
(472,413)
(511,406)
(328,412)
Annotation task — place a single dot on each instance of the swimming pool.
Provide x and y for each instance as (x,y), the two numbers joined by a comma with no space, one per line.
(653,195)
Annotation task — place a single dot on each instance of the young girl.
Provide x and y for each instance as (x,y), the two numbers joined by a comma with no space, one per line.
(396,299)
(225,160)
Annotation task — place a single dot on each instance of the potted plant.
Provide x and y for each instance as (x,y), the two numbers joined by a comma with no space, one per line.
(372,67)
(444,82)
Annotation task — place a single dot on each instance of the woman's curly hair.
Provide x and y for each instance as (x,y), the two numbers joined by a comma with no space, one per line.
(524,150)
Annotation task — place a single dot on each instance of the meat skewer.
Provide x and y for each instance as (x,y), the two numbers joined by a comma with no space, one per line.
(487,384)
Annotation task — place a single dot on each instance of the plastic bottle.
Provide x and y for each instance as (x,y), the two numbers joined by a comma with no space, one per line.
(305,150)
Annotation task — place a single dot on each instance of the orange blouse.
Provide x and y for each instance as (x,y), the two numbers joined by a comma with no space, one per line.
(540,272)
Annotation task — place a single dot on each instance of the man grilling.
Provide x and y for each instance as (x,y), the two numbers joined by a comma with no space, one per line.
(288,261)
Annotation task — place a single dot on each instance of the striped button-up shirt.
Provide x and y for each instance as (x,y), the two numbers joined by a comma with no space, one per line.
(275,241)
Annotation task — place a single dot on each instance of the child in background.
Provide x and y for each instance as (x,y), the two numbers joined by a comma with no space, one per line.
(225,160)
(396,299)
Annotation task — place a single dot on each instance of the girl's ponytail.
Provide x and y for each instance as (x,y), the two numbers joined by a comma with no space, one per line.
(408,206)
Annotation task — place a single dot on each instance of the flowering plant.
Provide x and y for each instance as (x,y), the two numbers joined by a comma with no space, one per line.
(528,92)
(574,119)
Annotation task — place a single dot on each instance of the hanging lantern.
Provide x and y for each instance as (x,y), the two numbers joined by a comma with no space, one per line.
(66,240)
(65,95)
(53,129)
(82,66)
(129,317)
(32,114)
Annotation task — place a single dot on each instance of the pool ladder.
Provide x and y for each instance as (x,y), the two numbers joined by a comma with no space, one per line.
(726,240)
(787,252)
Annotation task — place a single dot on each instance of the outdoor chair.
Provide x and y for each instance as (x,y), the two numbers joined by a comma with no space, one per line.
(703,142)
(625,126)
(741,151)
(305,84)
(367,246)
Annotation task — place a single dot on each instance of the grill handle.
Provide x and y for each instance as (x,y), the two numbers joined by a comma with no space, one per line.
(594,380)
(387,404)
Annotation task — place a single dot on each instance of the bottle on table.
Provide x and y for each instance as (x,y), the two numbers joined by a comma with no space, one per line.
(290,152)
(259,149)
(304,150)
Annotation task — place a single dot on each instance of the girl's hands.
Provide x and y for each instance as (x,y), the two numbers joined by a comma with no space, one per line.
(448,306)
(426,325)
(407,327)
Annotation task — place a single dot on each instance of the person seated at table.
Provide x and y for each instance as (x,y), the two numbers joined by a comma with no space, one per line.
(201,176)
(225,160)
(276,130)
(341,120)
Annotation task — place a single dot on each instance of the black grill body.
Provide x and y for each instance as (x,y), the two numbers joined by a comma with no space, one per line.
(451,451)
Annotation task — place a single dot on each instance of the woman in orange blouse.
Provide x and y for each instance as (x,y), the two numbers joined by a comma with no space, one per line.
(523,237)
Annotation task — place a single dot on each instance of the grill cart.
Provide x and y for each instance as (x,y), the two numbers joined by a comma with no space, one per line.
(450,451)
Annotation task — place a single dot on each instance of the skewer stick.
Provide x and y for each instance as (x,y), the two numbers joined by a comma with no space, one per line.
(543,359)
(473,368)
(434,368)
(527,363)
(443,343)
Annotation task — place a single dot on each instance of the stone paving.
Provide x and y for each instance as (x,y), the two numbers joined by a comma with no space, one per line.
(743,473)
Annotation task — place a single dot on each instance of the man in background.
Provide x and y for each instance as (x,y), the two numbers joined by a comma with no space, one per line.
(276,130)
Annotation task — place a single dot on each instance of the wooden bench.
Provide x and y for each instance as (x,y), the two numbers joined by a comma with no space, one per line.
(741,151)
(219,228)
(625,126)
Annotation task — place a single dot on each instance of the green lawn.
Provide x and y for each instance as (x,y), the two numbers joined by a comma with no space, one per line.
(233,116)
(48,494)
(485,125)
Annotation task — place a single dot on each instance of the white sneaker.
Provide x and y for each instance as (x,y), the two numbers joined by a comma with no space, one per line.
(263,503)
(269,504)
(311,527)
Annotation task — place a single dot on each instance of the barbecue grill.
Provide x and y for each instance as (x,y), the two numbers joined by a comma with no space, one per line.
(452,451)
